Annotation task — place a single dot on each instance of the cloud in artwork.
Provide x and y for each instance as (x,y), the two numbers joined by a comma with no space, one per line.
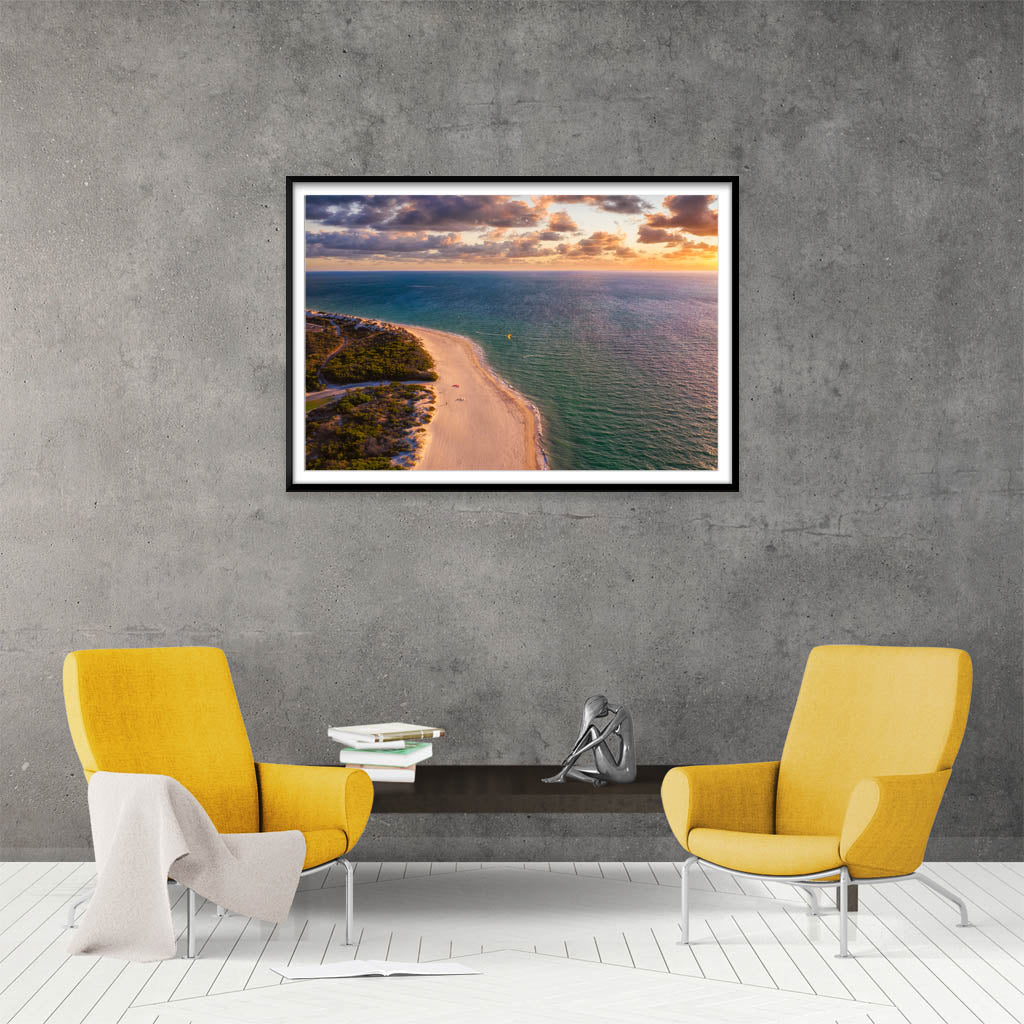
(561,221)
(598,244)
(419,213)
(689,213)
(613,204)
(363,244)
(652,236)
(687,247)
(352,244)
(491,231)
(655,236)
(520,247)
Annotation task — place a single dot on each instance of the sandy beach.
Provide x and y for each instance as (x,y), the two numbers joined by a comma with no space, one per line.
(478,422)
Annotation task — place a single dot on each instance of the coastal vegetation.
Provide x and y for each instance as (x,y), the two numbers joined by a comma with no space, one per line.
(321,338)
(364,427)
(368,428)
(391,353)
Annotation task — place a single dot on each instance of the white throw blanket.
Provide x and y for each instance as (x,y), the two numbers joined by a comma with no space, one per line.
(147,828)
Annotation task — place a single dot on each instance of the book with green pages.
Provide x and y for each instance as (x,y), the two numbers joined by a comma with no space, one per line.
(411,754)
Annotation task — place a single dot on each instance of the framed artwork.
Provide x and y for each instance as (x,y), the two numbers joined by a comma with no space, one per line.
(511,332)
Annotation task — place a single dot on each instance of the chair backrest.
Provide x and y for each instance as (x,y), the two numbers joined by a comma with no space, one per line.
(165,711)
(866,711)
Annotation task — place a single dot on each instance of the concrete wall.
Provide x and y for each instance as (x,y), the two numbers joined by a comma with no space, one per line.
(142,408)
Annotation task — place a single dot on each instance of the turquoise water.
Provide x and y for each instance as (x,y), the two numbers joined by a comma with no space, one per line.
(623,367)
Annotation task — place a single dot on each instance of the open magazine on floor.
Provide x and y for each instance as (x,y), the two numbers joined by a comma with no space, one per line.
(368,968)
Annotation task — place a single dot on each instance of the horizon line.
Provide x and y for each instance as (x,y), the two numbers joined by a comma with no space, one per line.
(514,270)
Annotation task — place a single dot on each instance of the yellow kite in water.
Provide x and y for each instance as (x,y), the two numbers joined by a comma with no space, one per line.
(509,336)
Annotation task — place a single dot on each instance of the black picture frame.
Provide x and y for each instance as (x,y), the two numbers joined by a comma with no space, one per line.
(546,481)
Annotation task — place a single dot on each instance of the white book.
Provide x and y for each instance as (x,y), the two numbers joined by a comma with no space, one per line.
(378,773)
(383,732)
(411,754)
(366,968)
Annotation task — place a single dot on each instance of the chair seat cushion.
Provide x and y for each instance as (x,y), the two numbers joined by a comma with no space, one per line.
(324,845)
(762,853)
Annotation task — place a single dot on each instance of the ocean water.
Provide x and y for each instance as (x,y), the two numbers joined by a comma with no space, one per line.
(622,366)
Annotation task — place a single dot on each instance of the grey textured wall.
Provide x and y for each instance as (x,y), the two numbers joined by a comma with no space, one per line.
(142,408)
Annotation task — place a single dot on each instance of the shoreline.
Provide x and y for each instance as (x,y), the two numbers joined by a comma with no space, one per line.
(486,424)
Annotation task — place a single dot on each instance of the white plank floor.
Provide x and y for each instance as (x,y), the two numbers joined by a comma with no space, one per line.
(589,941)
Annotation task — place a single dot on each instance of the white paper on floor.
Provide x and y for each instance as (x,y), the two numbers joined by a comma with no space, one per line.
(366,968)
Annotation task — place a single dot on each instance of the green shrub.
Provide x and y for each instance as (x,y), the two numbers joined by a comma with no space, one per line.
(366,428)
(387,355)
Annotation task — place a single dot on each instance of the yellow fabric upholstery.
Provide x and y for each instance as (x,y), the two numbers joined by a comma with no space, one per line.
(173,711)
(888,821)
(323,845)
(868,755)
(312,798)
(765,853)
(735,796)
(165,711)
(866,711)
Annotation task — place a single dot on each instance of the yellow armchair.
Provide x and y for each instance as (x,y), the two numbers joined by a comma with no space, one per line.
(173,711)
(856,791)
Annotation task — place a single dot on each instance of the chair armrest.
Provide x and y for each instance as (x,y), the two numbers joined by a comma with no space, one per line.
(887,823)
(739,797)
(314,797)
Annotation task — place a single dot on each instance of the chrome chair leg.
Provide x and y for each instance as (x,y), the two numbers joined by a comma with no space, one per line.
(948,894)
(190,923)
(73,909)
(350,881)
(813,906)
(844,909)
(684,901)
(845,895)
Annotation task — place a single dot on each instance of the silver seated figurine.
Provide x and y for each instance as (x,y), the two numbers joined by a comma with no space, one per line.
(611,741)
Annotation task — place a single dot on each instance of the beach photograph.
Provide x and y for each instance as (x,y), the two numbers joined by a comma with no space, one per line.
(510,332)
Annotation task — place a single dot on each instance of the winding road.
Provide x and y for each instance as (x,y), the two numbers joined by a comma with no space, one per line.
(328,390)
(338,389)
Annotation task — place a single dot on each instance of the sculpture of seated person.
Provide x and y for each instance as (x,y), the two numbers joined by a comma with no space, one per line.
(610,740)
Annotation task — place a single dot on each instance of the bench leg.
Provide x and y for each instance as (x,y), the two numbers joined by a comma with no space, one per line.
(852,902)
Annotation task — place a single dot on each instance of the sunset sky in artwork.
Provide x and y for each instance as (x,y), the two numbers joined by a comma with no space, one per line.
(512,232)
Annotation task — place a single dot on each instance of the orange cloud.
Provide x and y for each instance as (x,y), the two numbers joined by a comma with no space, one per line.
(561,221)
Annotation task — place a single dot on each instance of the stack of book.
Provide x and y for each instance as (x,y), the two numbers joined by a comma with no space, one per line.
(386,751)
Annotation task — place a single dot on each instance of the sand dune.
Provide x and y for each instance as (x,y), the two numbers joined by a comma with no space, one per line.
(480,424)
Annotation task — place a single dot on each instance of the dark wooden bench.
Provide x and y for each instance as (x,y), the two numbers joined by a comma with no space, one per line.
(514,789)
